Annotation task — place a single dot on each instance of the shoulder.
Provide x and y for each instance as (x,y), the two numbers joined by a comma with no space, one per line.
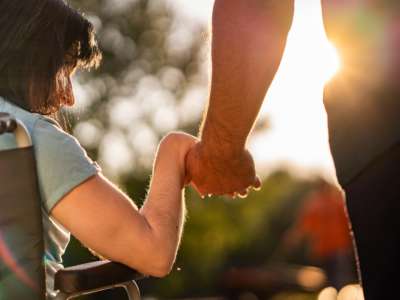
(47,133)
(61,161)
(48,130)
(54,146)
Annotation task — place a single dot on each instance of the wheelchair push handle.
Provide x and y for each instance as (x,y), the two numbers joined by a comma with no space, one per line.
(8,124)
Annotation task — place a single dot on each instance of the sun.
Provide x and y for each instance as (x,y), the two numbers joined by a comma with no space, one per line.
(331,61)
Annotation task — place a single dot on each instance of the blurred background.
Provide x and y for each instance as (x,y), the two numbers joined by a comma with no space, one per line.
(277,243)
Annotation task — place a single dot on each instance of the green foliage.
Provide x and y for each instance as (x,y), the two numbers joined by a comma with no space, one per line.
(153,79)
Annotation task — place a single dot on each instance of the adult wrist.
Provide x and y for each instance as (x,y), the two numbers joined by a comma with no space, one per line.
(221,148)
(220,142)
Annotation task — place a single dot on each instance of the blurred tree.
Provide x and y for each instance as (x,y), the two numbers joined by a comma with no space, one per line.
(153,80)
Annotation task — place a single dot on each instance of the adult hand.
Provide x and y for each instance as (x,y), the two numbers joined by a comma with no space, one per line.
(220,173)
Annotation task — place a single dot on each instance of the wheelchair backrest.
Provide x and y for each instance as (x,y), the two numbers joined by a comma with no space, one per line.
(21,232)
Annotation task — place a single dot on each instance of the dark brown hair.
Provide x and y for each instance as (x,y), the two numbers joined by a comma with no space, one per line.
(41,42)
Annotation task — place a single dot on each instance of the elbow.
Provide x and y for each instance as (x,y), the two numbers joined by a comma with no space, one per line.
(158,265)
(163,260)
(155,255)
(162,269)
(155,258)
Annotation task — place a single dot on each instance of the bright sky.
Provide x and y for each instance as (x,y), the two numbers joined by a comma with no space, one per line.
(298,133)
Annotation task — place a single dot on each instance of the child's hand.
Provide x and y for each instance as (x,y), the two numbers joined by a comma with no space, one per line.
(173,148)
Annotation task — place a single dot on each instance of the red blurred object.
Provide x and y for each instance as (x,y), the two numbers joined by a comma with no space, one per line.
(323,221)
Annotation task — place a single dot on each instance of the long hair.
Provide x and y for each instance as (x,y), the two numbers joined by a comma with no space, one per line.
(41,42)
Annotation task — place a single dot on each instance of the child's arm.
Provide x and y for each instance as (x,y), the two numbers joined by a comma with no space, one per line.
(107,221)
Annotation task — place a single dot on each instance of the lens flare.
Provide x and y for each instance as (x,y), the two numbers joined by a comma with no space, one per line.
(8,259)
(332,60)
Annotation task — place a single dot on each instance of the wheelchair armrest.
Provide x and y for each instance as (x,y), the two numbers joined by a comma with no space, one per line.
(92,276)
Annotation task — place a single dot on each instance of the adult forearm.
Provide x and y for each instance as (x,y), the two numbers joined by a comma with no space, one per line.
(248,39)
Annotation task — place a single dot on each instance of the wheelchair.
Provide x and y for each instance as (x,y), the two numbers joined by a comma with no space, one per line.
(22,273)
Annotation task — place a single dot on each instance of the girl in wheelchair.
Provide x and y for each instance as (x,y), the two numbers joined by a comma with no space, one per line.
(43,43)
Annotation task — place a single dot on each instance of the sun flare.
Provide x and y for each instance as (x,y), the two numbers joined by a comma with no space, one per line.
(332,60)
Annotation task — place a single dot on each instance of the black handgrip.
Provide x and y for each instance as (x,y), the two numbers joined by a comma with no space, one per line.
(7,123)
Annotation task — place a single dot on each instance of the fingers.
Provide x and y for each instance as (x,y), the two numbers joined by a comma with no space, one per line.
(242,193)
(257,184)
(201,192)
(245,192)
(232,195)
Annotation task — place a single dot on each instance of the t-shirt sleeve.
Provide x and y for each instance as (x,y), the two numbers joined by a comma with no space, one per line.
(62,163)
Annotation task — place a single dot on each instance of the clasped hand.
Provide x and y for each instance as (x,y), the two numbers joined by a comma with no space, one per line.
(213,172)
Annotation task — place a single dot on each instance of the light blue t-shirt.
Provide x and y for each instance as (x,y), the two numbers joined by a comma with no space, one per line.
(62,165)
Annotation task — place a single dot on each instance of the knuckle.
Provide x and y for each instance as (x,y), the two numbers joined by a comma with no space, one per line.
(171,139)
(171,136)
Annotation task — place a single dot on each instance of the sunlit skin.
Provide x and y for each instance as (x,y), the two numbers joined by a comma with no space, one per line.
(221,163)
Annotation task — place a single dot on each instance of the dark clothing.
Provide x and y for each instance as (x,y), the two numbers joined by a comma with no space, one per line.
(339,268)
(363,100)
(373,203)
(363,107)
(361,131)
